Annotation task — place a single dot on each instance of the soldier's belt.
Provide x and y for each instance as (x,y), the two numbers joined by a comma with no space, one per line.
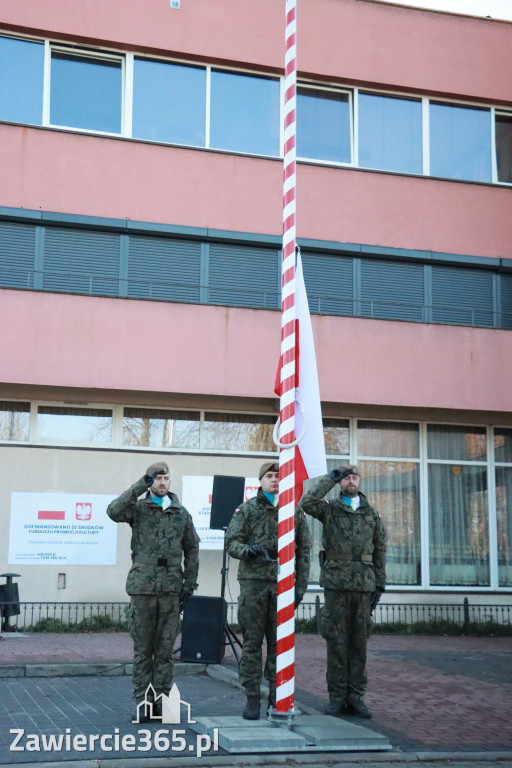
(163,562)
(351,558)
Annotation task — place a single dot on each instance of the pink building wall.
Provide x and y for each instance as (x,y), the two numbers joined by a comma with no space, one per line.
(99,343)
(52,170)
(353,40)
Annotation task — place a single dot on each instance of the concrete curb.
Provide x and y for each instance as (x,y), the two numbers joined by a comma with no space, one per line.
(333,759)
(87,669)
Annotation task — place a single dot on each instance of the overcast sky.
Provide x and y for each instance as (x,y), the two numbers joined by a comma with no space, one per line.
(497,9)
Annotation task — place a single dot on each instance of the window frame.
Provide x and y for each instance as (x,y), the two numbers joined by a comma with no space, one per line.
(350,92)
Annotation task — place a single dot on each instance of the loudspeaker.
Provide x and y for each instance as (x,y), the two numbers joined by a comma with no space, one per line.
(202,634)
(227,495)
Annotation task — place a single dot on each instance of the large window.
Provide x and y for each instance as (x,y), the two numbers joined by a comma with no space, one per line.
(21,80)
(460,142)
(169,102)
(14,421)
(244,113)
(390,133)
(323,125)
(458,506)
(86,92)
(503,457)
(161,428)
(83,425)
(392,486)
(238,432)
(504,147)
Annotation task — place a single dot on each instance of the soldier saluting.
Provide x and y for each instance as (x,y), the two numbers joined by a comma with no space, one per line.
(353,577)
(165,557)
(252,538)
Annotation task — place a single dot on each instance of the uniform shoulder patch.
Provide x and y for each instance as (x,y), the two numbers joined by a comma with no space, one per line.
(237,510)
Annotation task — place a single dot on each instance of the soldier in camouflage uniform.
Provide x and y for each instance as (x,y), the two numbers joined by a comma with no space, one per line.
(162,534)
(353,577)
(252,538)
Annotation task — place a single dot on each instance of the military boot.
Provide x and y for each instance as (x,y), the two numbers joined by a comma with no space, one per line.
(252,708)
(358,708)
(335,708)
(271,702)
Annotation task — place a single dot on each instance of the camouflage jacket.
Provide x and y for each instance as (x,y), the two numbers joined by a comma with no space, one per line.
(348,534)
(166,536)
(255,522)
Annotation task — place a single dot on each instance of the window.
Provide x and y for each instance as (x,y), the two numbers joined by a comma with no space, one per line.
(460,142)
(504,147)
(336,436)
(86,92)
(244,113)
(169,102)
(17,248)
(84,425)
(243,277)
(393,489)
(392,290)
(239,432)
(503,457)
(165,269)
(462,296)
(323,125)
(21,84)
(458,506)
(81,261)
(14,421)
(390,133)
(161,429)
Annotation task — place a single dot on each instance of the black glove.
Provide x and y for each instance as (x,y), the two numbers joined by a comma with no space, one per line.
(375,599)
(337,474)
(184,598)
(150,479)
(298,600)
(272,553)
(255,550)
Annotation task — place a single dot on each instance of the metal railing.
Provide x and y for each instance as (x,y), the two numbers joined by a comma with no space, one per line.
(463,617)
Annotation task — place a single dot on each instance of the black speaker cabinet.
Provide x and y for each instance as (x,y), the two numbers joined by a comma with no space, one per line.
(227,495)
(202,634)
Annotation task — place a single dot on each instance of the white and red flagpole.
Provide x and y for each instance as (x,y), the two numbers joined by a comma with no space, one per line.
(285,663)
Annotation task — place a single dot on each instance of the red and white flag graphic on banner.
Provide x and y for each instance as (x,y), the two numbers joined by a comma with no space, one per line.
(310,458)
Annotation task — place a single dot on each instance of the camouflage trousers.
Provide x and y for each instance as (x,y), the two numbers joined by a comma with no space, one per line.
(257,617)
(154,624)
(345,619)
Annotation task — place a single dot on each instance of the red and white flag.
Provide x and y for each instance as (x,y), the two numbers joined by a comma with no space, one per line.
(310,452)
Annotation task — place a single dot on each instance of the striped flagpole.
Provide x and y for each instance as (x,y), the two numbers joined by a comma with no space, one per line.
(285,667)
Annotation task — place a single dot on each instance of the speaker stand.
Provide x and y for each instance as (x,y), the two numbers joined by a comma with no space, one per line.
(229,635)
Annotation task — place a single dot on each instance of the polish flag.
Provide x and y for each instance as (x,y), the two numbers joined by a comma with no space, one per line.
(310,458)
(50,515)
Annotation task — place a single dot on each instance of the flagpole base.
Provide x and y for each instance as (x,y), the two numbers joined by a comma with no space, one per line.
(282,719)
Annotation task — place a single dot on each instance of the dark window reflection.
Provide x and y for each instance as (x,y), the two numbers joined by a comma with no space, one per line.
(85,93)
(323,125)
(504,147)
(21,81)
(390,133)
(460,142)
(169,102)
(244,113)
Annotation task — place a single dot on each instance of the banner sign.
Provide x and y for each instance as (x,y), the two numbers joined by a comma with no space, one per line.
(197,498)
(61,528)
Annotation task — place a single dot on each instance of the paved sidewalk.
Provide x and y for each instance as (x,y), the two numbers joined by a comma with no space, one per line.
(428,694)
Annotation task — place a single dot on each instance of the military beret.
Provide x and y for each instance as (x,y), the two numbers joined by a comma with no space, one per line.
(350,469)
(268,466)
(159,466)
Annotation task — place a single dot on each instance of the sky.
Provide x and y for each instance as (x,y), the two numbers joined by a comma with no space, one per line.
(496,9)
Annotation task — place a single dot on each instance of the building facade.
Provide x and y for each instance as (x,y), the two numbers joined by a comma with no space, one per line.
(140,229)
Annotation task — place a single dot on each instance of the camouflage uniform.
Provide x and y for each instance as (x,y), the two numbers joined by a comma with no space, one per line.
(355,550)
(255,522)
(160,538)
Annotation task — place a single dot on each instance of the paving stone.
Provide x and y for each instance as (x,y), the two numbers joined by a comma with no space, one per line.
(265,738)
